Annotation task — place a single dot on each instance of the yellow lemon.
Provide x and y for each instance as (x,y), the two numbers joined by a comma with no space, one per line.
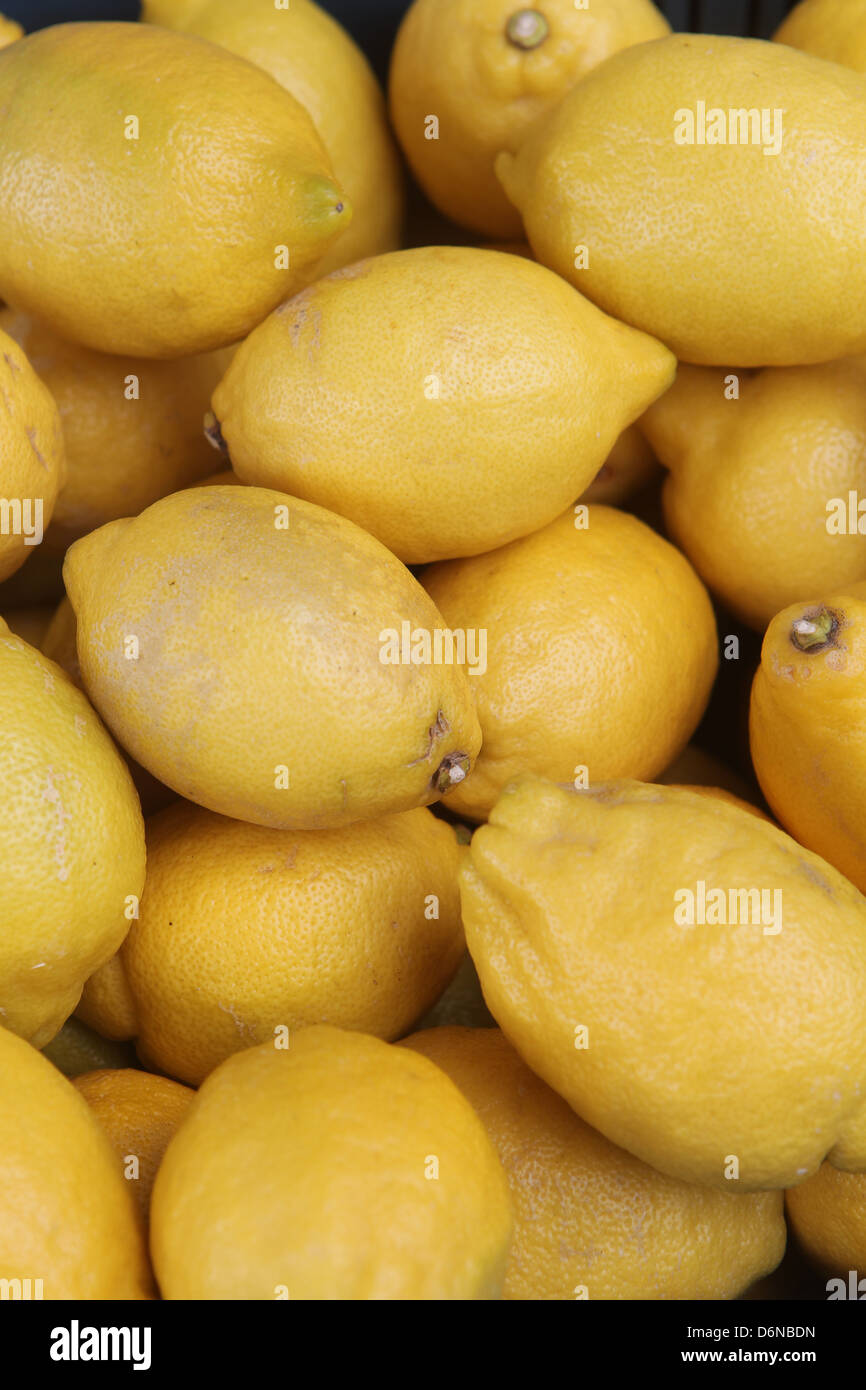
(232,637)
(358,927)
(314,58)
(694,186)
(470,77)
(686,976)
(424,426)
(758,488)
(339,1168)
(630,466)
(9,31)
(32,458)
(71,843)
(143,416)
(808,723)
(829,30)
(139,1113)
(591,1220)
(186,192)
(591,652)
(828,1217)
(66,1217)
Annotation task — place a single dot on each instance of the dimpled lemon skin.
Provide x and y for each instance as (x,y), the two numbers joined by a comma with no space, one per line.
(337,927)
(32,457)
(454,58)
(145,416)
(828,1216)
(305,1172)
(258,689)
(720,251)
(601,652)
(139,1113)
(169,243)
(586,1213)
(749,479)
(71,843)
(829,30)
(569,902)
(807,730)
(314,58)
(415,392)
(66,1216)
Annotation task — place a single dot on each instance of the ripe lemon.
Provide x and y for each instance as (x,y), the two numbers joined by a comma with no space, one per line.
(71,843)
(314,58)
(679,970)
(423,426)
(808,723)
(341,1168)
(187,193)
(259,619)
(470,77)
(358,927)
(9,31)
(829,30)
(828,1217)
(750,480)
(630,466)
(600,652)
(66,1218)
(143,416)
(139,1113)
(32,458)
(718,248)
(591,1220)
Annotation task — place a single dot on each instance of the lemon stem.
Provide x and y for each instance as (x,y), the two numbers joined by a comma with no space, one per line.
(452,769)
(814,630)
(527,29)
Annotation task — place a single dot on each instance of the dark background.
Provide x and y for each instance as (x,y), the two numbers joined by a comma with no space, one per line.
(374,22)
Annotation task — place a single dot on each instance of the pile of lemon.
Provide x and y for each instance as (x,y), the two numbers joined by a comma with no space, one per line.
(443,967)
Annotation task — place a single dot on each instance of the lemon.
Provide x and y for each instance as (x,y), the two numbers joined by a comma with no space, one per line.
(470,77)
(338,1168)
(71,843)
(629,467)
(747,248)
(593,651)
(77,1048)
(9,31)
(139,1113)
(829,30)
(185,191)
(591,1220)
(67,1219)
(257,621)
(828,1217)
(315,59)
(359,927)
(143,416)
(423,429)
(807,726)
(32,458)
(720,1038)
(751,481)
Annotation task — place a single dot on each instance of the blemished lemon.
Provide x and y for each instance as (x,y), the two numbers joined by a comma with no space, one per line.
(139,1113)
(415,393)
(470,77)
(594,652)
(67,1219)
(590,1220)
(807,724)
(187,193)
(313,57)
(358,927)
(71,843)
(32,457)
(752,479)
(338,1168)
(609,925)
(259,618)
(703,209)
